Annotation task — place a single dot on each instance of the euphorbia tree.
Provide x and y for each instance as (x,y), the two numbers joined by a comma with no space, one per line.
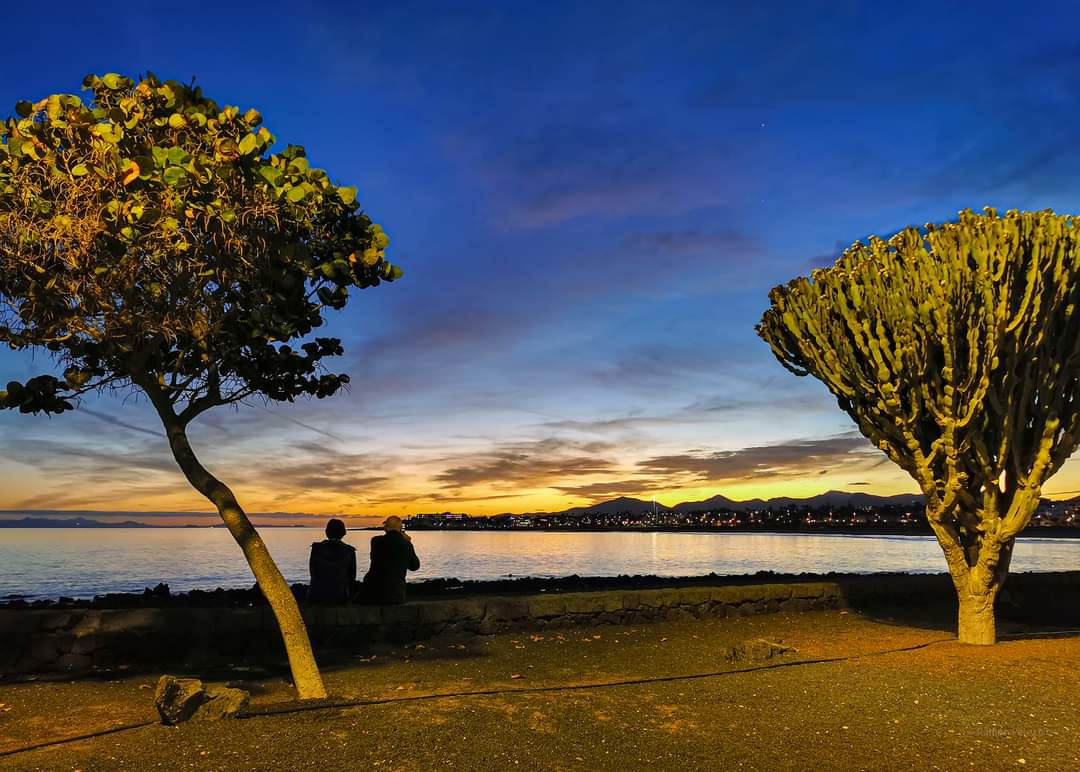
(152,240)
(956,350)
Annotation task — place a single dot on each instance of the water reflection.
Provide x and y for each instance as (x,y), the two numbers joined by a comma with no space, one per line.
(80,563)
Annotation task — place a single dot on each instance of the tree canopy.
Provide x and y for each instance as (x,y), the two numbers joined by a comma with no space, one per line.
(149,233)
(956,350)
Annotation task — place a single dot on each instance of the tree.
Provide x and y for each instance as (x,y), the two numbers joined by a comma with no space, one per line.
(956,351)
(152,241)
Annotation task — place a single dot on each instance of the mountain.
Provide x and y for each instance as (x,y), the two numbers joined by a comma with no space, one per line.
(621,504)
(828,499)
(849,499)
(719,502)
(77,522)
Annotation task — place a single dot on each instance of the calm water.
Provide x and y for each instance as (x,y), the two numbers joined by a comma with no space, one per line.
(47,563)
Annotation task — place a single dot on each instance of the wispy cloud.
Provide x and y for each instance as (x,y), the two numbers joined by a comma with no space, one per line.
(538,464)
(793,459)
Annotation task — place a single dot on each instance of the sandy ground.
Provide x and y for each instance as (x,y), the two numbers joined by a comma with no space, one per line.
(659,696)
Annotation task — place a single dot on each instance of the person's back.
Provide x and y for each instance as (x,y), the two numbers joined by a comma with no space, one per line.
(333,567)
(392,556)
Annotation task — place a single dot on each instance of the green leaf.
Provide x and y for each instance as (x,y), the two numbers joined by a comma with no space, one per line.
(173,175)
(79,170)
(177,156)
(347,194)
(177,121)
(296,194)
(247,144)
(271,175)
(111,80)
(300,164)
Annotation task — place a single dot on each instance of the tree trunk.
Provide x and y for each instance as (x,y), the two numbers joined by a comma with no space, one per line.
(305,671)
(978,572)
(976,622)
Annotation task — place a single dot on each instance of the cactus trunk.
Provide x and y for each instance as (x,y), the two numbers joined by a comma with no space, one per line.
(976,619)
(979,565)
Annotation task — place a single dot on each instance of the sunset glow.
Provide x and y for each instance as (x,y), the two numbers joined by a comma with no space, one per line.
(587,242)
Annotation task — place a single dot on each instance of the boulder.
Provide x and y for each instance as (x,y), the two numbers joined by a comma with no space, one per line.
(186,699)
(222,702)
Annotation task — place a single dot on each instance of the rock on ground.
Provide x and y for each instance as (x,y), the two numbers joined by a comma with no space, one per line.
(186,699)
(757,649)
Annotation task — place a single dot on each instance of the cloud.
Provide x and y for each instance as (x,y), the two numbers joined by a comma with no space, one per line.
(610,489)
(310,467)
(105,417)
(295,421)
(788,460)
(691,241)
(539,464)
(596,163)
(95,460)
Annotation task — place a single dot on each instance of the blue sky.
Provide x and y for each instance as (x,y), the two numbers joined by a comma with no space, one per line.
(591,202)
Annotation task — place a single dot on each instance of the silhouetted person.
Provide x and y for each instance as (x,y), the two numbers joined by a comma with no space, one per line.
(333,567)
(392,555)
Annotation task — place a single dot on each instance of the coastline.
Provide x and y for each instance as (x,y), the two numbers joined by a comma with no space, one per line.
(435,589)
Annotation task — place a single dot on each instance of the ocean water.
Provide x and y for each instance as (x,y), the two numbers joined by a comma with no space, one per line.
(80,563)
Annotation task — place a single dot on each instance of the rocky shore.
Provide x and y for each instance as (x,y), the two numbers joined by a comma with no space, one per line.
(1049,598)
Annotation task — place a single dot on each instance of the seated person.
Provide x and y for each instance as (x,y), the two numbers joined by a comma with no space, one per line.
(333,567)
(392,555)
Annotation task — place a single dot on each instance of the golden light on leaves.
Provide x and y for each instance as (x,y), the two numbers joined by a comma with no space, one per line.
(132,175)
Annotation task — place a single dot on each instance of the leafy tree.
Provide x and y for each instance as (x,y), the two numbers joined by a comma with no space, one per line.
(153,241)
(956,351)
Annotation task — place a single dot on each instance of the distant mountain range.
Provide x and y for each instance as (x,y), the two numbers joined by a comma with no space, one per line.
(614,506)
(827,499)
(76,522)
(854,499)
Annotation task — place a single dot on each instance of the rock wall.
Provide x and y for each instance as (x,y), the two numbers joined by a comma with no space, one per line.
(82,640)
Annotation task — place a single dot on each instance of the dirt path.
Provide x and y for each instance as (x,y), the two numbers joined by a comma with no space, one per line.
(661,696)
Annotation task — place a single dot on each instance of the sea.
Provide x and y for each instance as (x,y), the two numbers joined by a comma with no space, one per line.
(37,563)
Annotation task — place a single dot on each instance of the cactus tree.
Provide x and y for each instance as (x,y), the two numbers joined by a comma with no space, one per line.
(956,351)
(156,243)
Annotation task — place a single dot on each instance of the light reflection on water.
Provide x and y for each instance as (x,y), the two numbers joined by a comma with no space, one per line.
(49,562)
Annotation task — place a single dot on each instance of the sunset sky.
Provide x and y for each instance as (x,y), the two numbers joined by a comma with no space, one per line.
(590,202)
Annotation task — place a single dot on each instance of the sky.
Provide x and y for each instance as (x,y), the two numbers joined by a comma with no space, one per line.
(590,202)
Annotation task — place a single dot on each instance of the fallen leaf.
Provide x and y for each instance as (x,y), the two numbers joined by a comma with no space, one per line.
(132,175)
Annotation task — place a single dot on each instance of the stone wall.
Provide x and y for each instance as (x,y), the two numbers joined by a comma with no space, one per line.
(80,640)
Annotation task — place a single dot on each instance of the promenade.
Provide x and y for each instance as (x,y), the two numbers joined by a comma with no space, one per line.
(858,694)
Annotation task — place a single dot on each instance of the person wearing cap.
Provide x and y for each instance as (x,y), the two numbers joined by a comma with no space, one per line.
(392,556)
(333,567)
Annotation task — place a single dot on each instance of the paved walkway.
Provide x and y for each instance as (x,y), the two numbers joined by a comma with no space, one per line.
(658,696)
